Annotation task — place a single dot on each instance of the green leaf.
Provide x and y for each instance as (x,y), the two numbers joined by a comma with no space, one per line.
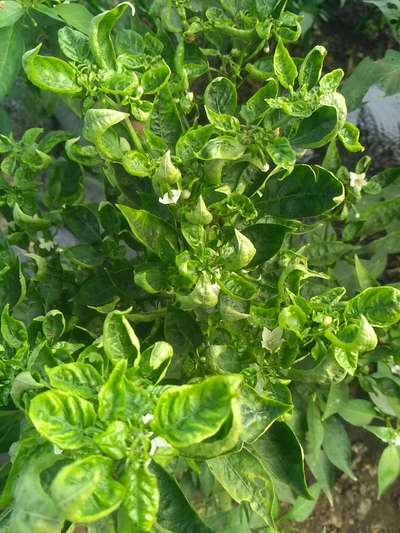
(10,13)
(380,306)
(282,153)
(223,147)
(364,277)
(238,287)
(357,412)
(220,96)
(155,361)
(50,73)
(85,490)
(164,119)
(306,192)
(53,325)
(13,332)
(237,253)
(181,331)
(336,445)
(189,414)
(83,155)
(74,44)
(83,223)
(260,411)
(113,441)
(11,50)
(129,42)
(142,496)
(77,378)
(357,337)
(75,15)
(338,396)
(303,507)
(156,235)
(349,135)
(388,468)
(62,418)
(284,67)
(119,83)
(281,454)
(245,479)
(267,239)
(311,68)
(256,105)
(192,141)
(100,35)
(155,77)
(119,339)
(175,512)
(83,255)
(329,83)
(34,510)
(96,129)
(121,399)
(318,129)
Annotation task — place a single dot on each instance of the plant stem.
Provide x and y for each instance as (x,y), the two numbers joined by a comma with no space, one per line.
(134,135)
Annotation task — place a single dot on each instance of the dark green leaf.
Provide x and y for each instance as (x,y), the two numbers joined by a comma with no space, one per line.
(158,236)
(175,513)
(11,50)
(306,192)
(281,454)
(318,129)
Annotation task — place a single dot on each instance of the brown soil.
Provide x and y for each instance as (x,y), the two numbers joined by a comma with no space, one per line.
(356,508)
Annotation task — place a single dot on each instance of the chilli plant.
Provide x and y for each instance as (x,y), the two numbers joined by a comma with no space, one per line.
(168,347)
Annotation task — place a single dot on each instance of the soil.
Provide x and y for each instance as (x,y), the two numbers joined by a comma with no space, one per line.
(351,33)
(356,506)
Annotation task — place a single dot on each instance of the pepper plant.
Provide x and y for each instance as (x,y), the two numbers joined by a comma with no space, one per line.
(171,359)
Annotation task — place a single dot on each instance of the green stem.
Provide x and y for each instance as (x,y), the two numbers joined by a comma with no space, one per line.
(134,135)
(146,317)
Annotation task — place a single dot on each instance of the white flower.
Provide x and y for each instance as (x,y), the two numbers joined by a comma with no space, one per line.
(147,418)
(57,450)
(46,245)
(265,168)
(357,181)
(170,197)
(190,96)
(272,340)
(158,442)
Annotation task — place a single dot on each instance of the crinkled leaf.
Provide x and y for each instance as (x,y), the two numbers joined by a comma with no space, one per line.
(86,491)
(76,378)
(189,414)
(96,129)
(50,73)
(380,306)
(62,418)
(158,236)
(245,479)
(100,35)
(142,496)
(119,339)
